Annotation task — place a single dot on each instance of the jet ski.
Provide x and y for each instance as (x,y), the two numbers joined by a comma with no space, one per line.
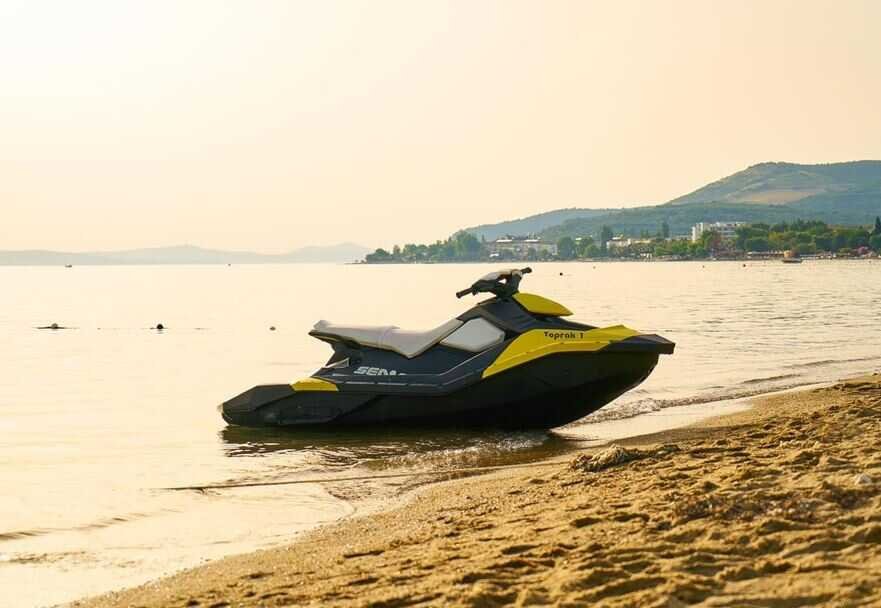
(512,362)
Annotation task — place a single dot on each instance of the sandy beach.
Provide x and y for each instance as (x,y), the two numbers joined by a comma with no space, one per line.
(776,506)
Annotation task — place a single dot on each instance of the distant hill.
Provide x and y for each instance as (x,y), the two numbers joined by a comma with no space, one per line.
(783,183)
(183,254)
(840,193)
(344,252)
(532,224)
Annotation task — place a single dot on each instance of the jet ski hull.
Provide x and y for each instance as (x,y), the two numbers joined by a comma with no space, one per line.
(544,393)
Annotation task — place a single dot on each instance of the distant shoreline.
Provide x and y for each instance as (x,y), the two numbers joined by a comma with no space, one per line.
(182,255)
(429,263)
(98,264)
(617,261)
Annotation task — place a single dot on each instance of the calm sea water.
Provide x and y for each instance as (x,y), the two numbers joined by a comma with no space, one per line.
(94,420)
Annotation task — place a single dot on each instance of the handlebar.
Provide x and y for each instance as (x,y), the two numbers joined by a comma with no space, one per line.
(493,283)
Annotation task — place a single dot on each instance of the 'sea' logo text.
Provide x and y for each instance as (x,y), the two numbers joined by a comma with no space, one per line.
(377,371)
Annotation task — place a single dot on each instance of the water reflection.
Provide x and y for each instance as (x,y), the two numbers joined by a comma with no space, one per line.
(381,449)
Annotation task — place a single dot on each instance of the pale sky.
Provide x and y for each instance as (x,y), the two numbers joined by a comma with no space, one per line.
(267,125)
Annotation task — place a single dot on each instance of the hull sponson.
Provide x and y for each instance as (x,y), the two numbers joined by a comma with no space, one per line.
(259,407)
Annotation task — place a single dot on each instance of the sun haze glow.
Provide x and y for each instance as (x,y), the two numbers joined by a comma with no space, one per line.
(271,125)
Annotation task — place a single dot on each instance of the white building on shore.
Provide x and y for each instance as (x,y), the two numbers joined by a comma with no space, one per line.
(727,230)
(518,246)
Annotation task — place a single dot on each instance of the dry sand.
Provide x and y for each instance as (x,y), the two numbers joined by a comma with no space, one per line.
(778,506)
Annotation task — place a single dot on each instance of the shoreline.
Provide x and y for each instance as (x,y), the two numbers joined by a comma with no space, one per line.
(448,262)
(396,489)
(620,260)
(779,504)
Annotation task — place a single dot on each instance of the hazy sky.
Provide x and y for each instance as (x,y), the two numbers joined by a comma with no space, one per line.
(271,125)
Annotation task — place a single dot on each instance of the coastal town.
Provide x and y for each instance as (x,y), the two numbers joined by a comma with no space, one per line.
(720,240)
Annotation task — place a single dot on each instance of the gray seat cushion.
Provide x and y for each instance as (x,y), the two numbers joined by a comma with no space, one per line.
(389,337)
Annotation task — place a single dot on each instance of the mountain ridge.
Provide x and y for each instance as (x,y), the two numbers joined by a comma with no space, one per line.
(532,224)
(182,254)
(784,182)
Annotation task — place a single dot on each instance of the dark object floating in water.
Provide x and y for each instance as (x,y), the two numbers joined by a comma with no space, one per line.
(68,265)
(159,327)
(511,361)
(272,328)
(53,326)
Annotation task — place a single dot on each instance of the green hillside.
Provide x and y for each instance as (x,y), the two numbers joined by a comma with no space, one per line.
(783,183)
(532,224)
(848,209)
(839,193)
(680,218)
(854,207)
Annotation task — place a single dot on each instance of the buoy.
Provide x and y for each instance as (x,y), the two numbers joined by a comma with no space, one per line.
(159,327)
(272,328)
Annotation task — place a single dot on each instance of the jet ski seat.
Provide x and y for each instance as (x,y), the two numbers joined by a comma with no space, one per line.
(388,337)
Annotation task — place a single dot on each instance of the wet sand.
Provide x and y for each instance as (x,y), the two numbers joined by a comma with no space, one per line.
(776,506)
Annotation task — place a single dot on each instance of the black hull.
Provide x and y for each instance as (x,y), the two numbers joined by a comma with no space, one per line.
(548,392)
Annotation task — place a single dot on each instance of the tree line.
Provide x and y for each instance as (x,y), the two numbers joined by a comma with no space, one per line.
(461,247)
(802,237)
(808,237)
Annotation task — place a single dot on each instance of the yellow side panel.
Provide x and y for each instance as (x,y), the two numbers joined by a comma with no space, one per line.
(539,305)
(538,343)
(314,384)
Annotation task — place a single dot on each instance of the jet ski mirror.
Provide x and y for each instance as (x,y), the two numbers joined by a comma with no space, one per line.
(502,284)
